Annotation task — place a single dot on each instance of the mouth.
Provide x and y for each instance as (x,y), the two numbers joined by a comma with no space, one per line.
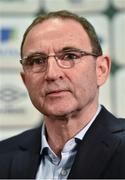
(57,93)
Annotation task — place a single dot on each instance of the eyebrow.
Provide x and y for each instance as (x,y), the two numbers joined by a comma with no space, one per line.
(36,52)
(68,48)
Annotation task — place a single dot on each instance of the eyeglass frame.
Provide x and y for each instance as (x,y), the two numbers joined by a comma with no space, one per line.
(82,54)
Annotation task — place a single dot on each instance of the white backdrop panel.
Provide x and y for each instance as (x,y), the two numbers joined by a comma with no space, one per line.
(76,5)
(119,4)
(119,38)
(16,108)
(120,92)
(19,6)
(11,33)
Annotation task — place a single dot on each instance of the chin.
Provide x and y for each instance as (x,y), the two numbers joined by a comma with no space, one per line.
(58,109)
(60,113)
(56,113)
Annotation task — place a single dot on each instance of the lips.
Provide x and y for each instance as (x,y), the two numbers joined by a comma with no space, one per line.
(56,92)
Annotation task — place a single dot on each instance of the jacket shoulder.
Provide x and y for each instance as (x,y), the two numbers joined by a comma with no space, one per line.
(12,143)
(112,123)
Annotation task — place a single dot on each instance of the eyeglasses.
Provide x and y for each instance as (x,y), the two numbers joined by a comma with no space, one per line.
(38,62)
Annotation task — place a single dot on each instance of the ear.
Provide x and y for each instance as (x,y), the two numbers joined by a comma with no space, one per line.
(22,74)
(103,66)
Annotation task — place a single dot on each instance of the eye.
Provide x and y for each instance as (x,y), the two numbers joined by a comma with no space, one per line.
(38,60)
(70,55)
(35,59)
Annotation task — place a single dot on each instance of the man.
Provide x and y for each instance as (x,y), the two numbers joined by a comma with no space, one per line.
(63,68)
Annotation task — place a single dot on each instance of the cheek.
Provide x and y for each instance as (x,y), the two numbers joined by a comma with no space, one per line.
(85,83)
(33,84)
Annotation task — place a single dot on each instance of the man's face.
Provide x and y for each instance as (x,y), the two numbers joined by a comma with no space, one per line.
(58,91)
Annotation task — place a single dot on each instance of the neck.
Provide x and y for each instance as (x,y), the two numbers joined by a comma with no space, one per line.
(61,129)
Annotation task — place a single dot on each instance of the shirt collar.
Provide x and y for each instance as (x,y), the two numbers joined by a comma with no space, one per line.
(78,136)
(44,140)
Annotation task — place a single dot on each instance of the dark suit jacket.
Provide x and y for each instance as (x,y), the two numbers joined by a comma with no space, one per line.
(101,154)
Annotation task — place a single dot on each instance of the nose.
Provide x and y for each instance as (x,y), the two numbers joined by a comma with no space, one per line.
(53,71)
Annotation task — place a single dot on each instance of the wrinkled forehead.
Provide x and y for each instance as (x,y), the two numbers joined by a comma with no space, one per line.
(56,32)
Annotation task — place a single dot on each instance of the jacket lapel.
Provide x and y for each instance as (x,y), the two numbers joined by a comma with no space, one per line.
(26,160)
(96,149)
(24,165)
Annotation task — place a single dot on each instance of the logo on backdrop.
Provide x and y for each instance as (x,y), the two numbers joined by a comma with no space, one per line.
(11,99)
(10,94)
(7,34)
(8,38)
(76,1)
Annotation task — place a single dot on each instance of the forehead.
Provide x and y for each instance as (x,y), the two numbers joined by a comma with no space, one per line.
(56,33)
